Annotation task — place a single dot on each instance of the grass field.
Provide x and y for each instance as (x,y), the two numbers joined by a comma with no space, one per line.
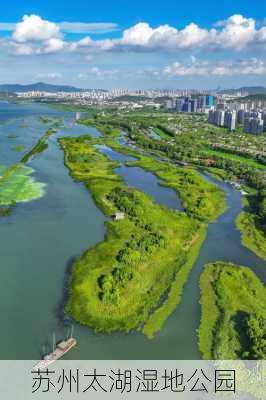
(230,156)
(233,313)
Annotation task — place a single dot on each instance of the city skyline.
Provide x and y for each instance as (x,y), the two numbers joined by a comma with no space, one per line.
(134,47)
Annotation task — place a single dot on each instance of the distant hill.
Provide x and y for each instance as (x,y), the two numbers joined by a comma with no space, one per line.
(254,97)
(250,90)
(39,86)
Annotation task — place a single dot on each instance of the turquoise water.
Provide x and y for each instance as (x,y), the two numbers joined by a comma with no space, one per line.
(40,240)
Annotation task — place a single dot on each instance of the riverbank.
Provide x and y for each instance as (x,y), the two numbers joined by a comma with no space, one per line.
(233,317)
(252,237)
(117,285)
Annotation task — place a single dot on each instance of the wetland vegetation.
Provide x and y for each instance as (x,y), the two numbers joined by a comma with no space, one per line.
(252,223)
(233,313)
(133,278)
(189,139)
(123,282)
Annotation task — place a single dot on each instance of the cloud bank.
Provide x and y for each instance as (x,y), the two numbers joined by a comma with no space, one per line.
(34,35)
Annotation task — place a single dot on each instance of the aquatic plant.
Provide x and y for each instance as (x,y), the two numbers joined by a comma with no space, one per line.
(19,187)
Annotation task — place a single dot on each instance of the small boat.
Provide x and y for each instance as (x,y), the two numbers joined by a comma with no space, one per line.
(59,351)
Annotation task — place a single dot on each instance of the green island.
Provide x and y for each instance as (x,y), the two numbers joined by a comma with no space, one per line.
(233,313)
(252,223)
(253,237)
(40,146)
(12,136)
(44,119)
(135,277)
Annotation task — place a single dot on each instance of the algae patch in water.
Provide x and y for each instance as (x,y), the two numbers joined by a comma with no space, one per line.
(20,186)
(19,148)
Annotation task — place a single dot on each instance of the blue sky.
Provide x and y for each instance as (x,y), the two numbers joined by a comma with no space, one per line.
(134,44)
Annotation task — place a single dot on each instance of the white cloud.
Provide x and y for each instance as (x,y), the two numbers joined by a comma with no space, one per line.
(138,35)
(52,45)
(39,36)
(34,28)
(100,74)
(180,69)
(261,35)
(237,32)
(192,35)
(35,35)
(164,36)
(73,27)
(49,75)
(22,49)
(252,66)
(195,68)
(88,28)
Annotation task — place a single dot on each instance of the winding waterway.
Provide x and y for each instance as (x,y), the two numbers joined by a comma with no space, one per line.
(40,240)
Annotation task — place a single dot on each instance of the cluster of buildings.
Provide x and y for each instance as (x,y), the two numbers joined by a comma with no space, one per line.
(253,121)
(200,103)
(223,118)
(100,94)
(177,100)
(228,115)
(225,110)
(93,94)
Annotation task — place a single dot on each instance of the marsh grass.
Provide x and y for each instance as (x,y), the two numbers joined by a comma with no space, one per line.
(232,300)
(252,237)
(159,247)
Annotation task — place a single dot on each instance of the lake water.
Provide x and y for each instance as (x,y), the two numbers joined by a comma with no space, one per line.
(40,240)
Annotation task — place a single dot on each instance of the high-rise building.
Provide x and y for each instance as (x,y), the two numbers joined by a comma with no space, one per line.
(179,105)
(219,117)
(187,105)
(216,117)
(202,102)
(211,117)
(209,101)
(241,117)
(230,120)
(254,125)
(264,119)
(194,105)
(169,104)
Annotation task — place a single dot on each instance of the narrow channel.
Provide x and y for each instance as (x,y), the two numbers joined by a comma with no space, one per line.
(143,180)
